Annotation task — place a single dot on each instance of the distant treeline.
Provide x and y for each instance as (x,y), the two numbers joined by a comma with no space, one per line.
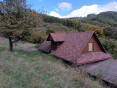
(67,22)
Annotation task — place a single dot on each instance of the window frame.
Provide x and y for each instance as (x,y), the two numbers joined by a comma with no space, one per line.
(90,46)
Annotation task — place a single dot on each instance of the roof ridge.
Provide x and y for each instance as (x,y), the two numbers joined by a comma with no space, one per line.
(72,32)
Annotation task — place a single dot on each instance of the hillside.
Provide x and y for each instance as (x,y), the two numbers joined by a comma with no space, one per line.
(104,18)
(23,66)
(104,24)
(26,68)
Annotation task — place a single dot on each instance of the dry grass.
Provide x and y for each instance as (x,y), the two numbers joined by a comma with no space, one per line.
(23,69)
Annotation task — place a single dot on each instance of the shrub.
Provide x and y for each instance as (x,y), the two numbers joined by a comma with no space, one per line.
(37,37)
(49,31)
(110,46)
(111,32)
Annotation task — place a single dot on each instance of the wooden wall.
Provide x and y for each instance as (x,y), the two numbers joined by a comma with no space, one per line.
(96,46)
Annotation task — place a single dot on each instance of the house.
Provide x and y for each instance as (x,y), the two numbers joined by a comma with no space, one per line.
(78,48)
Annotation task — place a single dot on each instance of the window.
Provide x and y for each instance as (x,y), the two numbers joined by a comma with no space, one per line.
(90,47)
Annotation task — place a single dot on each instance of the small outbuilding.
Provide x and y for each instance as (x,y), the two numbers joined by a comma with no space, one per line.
(78,48)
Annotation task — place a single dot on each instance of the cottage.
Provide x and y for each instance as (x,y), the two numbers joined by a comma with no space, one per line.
(78,48)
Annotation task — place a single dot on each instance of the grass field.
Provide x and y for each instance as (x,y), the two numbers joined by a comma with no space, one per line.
(23,69)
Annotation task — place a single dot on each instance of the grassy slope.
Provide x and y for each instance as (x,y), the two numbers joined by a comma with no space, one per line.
(22,69)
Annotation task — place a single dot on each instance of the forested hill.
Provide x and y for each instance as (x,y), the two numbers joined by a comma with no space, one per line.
(104,18)
(104,23)
(108,18)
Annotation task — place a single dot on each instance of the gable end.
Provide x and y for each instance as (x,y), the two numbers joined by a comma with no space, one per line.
(93,44)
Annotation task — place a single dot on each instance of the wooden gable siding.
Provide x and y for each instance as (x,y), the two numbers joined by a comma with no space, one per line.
(96,46)
(54,44)
(49,38)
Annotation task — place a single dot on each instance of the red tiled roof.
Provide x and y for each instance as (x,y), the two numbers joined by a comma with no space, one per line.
(73,45)
(58,36)
(93,57)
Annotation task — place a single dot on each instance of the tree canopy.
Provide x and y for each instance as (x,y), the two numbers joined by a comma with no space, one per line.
(16,19)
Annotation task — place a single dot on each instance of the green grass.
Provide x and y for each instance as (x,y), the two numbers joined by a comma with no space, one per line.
(21,69)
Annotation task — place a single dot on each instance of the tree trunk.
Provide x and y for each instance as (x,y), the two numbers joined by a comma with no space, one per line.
(10,44)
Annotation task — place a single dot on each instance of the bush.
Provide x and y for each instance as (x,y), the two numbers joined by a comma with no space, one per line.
(37,37)
(111,32)
(90,27)
(110,46)
(49,31)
